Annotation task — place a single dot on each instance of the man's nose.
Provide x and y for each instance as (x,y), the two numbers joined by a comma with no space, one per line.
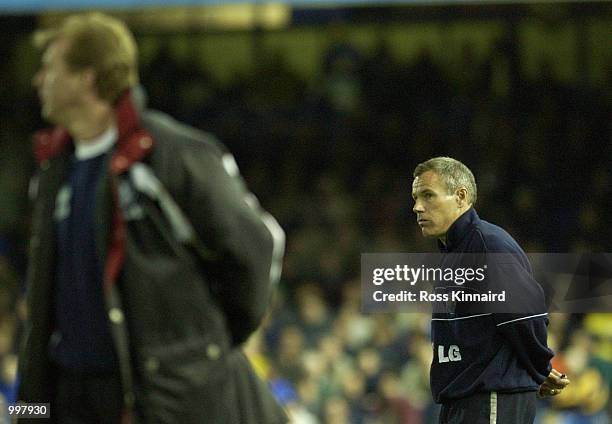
(417,207)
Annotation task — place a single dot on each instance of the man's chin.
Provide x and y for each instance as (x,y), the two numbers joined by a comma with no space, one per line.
(48,116)
(45,112)
(428,233)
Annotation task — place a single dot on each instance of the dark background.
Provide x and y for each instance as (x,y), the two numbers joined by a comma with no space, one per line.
(328,110)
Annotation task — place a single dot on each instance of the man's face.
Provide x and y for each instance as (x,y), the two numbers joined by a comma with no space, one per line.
(60,89)
(436,210)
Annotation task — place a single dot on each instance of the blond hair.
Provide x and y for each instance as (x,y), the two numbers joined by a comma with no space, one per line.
(101,43)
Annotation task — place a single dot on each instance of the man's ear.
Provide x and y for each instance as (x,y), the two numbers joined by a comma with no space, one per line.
(88,76)
(462,197)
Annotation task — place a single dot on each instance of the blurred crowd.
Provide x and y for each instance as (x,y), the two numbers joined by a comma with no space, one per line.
(331,157)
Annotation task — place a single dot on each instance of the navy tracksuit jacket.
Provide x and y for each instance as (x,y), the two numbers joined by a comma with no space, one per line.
(476,350)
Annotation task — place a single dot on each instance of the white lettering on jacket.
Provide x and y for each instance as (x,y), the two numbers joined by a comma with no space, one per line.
(454,355)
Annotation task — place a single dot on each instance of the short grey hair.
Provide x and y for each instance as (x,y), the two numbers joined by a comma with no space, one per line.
(454,173)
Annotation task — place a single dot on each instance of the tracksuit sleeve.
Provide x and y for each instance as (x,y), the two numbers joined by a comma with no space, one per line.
(527,337)
(524,319)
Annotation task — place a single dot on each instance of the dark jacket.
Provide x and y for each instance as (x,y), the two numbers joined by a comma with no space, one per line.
(177,318)
(478,349)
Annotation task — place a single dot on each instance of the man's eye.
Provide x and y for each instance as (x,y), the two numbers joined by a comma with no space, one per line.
(428,195)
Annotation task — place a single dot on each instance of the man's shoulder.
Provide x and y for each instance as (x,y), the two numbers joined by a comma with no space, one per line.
(174,136)
(496,239)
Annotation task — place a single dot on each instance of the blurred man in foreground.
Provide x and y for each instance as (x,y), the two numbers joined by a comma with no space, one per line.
(487,367)
(150,262)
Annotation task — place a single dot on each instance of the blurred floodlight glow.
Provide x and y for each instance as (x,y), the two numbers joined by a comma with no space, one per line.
(214,17)
(59,5)
(244,16)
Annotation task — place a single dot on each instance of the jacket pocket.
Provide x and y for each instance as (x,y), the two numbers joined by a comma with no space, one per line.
(185,382)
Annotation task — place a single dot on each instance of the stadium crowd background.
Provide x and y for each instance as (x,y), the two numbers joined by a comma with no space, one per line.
(331,155)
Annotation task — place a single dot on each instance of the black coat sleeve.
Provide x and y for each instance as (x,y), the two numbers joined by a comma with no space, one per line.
(247,241)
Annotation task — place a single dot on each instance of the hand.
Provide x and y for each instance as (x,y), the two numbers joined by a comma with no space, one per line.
(553,385)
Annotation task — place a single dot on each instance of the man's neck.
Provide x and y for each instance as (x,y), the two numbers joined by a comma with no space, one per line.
(91,123)
(444,238)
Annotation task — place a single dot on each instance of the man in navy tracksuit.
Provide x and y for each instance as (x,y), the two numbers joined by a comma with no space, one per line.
(487,366)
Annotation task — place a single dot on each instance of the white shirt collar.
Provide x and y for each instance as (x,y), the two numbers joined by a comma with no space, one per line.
(97,146)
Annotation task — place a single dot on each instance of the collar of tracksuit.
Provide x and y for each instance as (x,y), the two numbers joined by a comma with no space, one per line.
(459,229)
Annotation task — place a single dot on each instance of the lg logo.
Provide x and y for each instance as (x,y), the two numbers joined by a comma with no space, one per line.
(453,354)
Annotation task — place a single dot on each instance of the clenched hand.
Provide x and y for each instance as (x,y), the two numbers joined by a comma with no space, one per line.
(553,385)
